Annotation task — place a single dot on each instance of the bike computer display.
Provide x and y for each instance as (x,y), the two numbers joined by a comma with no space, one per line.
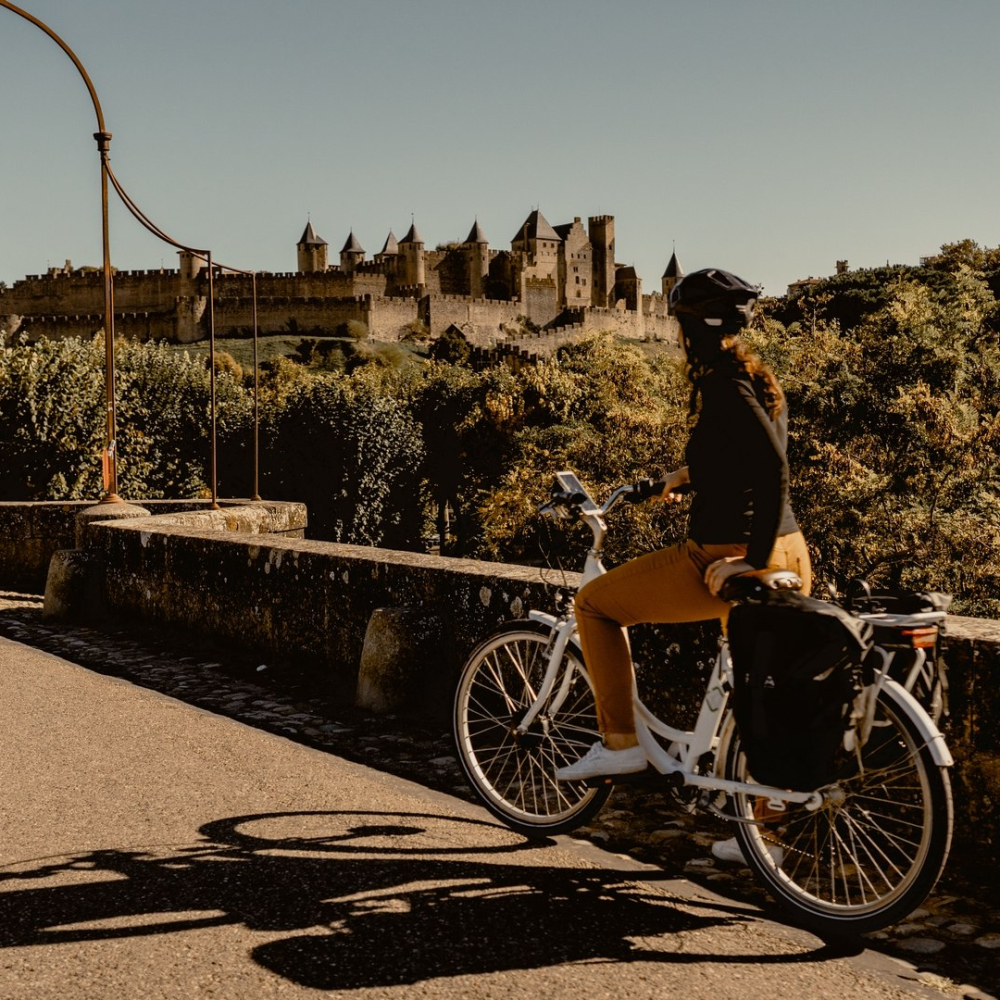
(568,483)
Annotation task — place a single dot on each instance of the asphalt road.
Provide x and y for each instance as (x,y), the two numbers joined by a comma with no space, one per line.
(149,849)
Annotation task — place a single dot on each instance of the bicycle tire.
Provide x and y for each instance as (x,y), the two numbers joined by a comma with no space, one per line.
(870,855)
(513,774)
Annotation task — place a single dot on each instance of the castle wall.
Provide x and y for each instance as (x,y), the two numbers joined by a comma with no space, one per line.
(480,319)
(541,300)
(135,326)
(391,319)
(288,314)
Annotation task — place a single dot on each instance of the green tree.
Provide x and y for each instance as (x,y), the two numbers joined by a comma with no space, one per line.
(352,454)
(451,347)
(895,430)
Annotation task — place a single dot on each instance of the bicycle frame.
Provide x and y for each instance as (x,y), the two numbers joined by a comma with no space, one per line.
(693,745)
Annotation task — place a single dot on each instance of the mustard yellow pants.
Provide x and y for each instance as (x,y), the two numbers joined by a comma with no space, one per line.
(663,586)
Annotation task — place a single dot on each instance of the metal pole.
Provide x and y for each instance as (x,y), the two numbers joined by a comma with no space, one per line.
(211,368)
(111,482)
(103,137)
(256,397)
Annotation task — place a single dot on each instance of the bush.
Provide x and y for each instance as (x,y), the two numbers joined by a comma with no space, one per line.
(352,454)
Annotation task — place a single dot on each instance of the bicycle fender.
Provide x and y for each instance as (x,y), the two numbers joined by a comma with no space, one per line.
(925,726)
(544,617)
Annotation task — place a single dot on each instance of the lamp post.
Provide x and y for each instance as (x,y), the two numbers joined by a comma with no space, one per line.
(103,137)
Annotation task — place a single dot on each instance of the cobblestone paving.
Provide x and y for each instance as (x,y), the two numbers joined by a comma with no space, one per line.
(952,942)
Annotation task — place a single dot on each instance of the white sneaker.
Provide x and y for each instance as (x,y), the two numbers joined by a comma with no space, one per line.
(600,761)
(730,850)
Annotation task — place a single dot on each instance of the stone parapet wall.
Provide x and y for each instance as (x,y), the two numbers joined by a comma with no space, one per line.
(300,601)
(31,532)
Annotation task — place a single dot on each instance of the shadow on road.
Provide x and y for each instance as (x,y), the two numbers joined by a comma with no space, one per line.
(362,900)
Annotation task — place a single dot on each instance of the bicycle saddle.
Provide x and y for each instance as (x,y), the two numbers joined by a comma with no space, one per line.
(747,585)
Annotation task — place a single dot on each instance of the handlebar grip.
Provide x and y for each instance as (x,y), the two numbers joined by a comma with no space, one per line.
(644,489)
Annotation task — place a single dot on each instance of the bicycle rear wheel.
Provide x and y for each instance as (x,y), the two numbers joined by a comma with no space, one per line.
(512,772)
(872,852)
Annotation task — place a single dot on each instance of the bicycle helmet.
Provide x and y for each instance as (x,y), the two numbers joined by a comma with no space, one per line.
(715,297)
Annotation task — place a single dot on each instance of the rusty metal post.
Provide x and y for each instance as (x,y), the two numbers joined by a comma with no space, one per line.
(256,397)
(111,447)
(211,368)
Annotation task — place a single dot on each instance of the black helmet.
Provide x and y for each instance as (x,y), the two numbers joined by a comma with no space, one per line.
(713,294)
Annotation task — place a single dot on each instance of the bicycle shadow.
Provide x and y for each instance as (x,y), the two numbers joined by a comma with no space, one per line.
(362,900)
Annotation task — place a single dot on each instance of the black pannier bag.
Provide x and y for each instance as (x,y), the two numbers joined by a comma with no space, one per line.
(797,669)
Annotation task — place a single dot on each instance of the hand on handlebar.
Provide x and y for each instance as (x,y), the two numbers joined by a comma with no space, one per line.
(675,485)
(720,571)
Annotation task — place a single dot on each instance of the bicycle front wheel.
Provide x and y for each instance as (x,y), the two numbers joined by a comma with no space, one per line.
(872,852)
(513,772)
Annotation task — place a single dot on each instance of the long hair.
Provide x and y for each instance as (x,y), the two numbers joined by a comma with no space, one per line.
(724,351)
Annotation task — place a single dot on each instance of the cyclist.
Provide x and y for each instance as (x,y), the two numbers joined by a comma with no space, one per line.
(740,518)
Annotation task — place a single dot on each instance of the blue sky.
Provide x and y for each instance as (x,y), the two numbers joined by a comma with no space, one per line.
(771,137)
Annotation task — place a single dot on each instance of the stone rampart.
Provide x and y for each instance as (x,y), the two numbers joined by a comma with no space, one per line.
(136,326)
(486,315)
(392,319)
(297,601)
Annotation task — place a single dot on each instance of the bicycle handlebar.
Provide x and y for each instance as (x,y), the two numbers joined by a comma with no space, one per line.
(569,504)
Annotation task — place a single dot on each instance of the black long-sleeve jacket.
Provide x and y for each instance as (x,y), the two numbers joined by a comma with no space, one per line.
(738,469)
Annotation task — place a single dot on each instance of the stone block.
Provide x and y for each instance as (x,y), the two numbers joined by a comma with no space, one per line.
(73,586)
(402,662)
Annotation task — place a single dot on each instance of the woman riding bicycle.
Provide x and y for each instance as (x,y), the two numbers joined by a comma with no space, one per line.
(740,517)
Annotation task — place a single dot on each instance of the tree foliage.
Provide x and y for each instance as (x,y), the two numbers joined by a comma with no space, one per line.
(895,439)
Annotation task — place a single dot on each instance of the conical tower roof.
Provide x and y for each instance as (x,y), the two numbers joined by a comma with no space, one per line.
(352,245)
(412,236)
(476,234)
(536,227)
(391,244)
(673,268)
(309,237)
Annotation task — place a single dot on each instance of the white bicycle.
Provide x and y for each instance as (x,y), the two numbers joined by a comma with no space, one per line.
(857,854)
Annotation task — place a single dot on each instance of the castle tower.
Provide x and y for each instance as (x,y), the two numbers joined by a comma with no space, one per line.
(537,239)
(389,249)
(478,255)
(575,273)
(628,286)
(671,276)
(411,250)
(602,240)
(351,254)
(312,251)
(190,265)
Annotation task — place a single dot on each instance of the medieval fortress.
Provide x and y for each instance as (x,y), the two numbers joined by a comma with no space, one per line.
(554,284)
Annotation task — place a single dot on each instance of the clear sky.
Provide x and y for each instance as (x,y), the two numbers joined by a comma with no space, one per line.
(770,137)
